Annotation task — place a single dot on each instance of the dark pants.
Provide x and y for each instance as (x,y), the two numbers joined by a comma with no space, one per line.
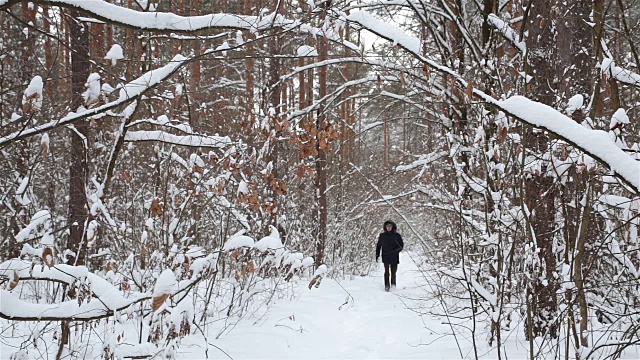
(394,268)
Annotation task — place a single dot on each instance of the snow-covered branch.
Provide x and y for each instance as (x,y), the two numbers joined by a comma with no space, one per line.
(107,299)
(132,90)
(508,32)
(163,21)
(184,140)
(611,70)
(595,143)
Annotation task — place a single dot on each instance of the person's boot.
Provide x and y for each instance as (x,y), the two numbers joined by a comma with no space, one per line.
(387,288)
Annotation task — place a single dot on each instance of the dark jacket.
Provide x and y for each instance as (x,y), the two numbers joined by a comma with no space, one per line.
(390,242)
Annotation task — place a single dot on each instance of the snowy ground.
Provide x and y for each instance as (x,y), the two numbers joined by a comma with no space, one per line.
(374,325)
(319,325)
(351,319)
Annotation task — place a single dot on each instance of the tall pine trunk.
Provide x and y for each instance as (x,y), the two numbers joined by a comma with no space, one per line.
(78,169)
(321,146)
(540,188)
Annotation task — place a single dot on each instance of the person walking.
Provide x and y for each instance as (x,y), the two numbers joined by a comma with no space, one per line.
(390,242)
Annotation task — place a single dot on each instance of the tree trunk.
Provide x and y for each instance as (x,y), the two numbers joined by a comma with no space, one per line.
(321,146)
(540,189)
(78,170)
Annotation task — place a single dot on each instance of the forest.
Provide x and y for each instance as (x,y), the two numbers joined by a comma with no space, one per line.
(173,169)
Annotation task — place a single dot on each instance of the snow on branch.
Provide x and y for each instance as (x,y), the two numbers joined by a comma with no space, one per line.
(328,98)
(170,22)
(508,32)
(595,143)
(164,21)
(13,308)
(106,300)
(184,140)
(609,69)
(398,36)
(130,91)
(394,34)
(39,219)
(422,161)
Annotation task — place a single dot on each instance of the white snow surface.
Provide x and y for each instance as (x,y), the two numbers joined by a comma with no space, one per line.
(321,270)
(166,283)
(374,324)
(237,242)
(34,91)
(93,88)
(609,68)
(306,50)
(270,242)
(13,307)
(38,219)
(575,103)
(114,54)
(393,33)
(343,319)
(619,117)
(595,142)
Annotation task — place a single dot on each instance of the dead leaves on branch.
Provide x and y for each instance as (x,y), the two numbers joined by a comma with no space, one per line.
(244,263)
(156,208)
(315,282)
(158,301)
(304,170)
(47,257)
(15,279)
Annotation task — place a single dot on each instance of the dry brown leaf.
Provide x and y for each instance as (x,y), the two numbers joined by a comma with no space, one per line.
(158,301)
(47,257)
(14,281)
(502,134)
(156,208)
(314,282)
(124,285)
(44,146)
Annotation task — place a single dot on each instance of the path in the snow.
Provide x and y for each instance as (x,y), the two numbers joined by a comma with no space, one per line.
(375,325)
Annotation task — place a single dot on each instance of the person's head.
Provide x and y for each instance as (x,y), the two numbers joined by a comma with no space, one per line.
(389,226)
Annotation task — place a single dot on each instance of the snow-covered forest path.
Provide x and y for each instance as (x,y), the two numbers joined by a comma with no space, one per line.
(373,325)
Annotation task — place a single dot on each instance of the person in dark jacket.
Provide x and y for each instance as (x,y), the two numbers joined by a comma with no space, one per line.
(390,242)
